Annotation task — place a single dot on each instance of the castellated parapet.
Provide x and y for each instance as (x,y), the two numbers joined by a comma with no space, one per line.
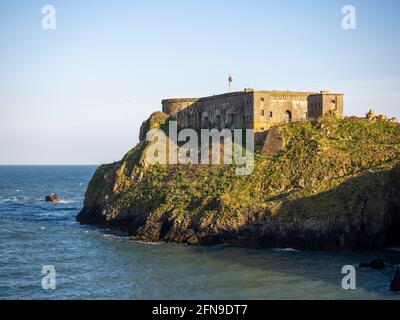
(251,109)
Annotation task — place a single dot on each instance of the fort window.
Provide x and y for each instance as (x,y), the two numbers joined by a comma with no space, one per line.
(231,118)
(270,114)
(333,101)
(262,113)
(205,123)
(261,99)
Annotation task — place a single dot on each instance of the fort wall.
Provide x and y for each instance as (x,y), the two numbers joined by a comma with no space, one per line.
(249,109)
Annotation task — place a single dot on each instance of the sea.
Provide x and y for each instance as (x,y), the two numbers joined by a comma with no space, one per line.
(46,254)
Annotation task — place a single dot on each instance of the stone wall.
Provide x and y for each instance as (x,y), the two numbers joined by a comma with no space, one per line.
(172,106)
(249,109)
(277,107)
(232,111)
(319,104)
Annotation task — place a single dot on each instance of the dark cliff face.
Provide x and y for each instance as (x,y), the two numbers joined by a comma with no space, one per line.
(336,185)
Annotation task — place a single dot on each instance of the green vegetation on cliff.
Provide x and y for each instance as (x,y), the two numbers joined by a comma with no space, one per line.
(336,181)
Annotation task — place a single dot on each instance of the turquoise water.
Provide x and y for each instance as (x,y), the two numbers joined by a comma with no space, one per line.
(92,263)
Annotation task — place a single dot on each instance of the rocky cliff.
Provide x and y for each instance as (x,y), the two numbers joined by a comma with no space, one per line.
(334,185)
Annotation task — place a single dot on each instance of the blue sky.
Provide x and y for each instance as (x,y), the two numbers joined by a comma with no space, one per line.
(78,94)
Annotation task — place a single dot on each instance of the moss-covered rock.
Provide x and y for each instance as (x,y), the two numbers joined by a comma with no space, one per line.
(336,184)
(155,121)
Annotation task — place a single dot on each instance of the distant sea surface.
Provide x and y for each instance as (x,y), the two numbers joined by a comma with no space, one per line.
(92,263)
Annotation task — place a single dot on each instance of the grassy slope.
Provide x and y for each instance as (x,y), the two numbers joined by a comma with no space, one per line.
(317,160)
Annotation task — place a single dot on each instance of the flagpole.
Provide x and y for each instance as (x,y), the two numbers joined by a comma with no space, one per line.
(230,79)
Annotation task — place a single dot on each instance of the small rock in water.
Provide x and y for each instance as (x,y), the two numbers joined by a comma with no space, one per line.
(395,285)
(52,198)
(376,264)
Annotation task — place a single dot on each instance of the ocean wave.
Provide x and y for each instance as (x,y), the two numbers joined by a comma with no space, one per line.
(159,243)
(106,233)
(394,249)
(115,236)
(12,199)
(286,250)
(67,201)
(60,201)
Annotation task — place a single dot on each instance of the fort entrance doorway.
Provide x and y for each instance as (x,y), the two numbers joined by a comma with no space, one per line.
(288,116)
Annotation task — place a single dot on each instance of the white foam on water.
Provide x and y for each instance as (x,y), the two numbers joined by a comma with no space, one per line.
(286,250)
(394,249)
(114,236)
(150,243)
(12,199)
(66,201)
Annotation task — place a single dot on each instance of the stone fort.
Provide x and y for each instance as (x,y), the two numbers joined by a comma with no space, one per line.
(251,109)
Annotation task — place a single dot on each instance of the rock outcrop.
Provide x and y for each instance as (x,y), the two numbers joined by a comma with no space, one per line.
(371,115)
(334,184)
(156,119)
(52,197)
(395,284)
(274,142)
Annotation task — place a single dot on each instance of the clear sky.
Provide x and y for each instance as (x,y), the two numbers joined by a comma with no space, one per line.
(78,94)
